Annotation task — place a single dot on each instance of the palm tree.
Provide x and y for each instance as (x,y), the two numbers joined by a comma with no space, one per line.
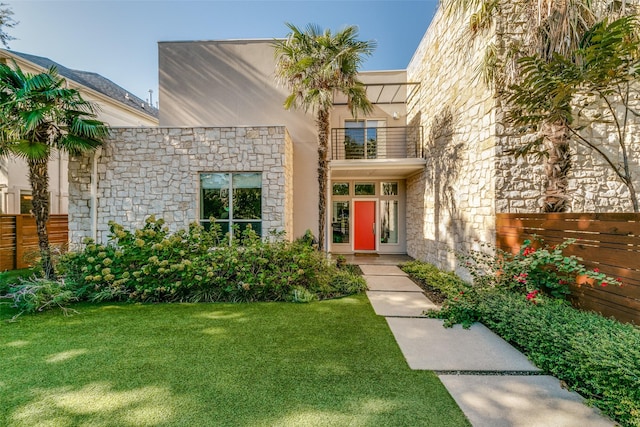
(6,21)
(39,114)
(550,27)
(314,65)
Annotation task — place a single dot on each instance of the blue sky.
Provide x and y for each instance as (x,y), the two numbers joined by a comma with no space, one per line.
(118,39)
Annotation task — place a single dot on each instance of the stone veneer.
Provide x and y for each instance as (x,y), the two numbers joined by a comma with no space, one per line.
(469,177)
(145,171)
(593,185)
(452,202)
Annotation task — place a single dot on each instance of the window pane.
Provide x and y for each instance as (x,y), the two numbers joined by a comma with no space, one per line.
(365,189)
(341,189)
(215,203)
(389,217)
(389,188)
(340,222)
(241,226)
(247,180)
(214,195)
(25,202)
(214,180)
(247,196)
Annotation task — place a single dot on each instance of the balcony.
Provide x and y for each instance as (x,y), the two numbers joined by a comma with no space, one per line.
(376,151)
(371,143)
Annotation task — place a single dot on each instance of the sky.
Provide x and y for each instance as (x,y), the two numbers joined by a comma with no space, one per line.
(118,38)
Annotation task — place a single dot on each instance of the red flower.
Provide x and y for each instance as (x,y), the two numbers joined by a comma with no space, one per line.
(596,270)
(619,280)
(531,296)
(528,251)
(603,284)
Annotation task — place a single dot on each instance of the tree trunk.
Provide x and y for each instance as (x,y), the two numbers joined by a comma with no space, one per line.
(39,179)
(558,165)
(322,122)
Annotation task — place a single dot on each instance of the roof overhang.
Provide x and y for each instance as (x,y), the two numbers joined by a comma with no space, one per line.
(384,93)
(376,168)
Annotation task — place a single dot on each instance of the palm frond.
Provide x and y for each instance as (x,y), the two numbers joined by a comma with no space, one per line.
(31,150)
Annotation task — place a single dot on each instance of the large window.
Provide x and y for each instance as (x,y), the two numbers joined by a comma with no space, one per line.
(361,138)
(233,200)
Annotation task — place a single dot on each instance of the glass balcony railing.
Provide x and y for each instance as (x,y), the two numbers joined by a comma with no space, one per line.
(403,142)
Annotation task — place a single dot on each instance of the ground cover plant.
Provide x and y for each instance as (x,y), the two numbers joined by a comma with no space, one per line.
(520,298)
(152,264)
(10,278)
(327,363)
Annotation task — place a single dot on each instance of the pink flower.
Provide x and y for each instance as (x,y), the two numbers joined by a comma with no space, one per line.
(531,296)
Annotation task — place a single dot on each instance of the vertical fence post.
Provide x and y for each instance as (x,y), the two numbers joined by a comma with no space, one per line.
(20,262)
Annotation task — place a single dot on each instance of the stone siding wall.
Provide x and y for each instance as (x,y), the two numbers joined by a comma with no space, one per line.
(593,185)
(469,174)
(145,171)
(450,205)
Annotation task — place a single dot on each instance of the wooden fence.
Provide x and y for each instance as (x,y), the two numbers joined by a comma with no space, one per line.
(19,239)
(608,241)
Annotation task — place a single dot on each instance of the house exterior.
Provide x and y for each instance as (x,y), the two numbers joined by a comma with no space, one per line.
(117,108)
(424,174)
(223,120)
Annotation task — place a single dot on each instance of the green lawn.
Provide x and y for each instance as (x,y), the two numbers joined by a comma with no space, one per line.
(262,364)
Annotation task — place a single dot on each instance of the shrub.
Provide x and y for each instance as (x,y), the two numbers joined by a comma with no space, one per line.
(597,357)
(152,264)
(431,276)
(536,269)
(37,294)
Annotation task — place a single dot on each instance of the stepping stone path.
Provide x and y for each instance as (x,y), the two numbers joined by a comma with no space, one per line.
(493,383)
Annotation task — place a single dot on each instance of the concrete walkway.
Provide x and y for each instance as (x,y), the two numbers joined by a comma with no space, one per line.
(493,383)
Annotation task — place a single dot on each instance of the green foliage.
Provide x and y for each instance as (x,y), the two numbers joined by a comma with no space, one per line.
(152,265)
(459,304)
(6,21)
(430,275)
(38,294)
(597,357)
(536,269)
(11,278)
(592,83)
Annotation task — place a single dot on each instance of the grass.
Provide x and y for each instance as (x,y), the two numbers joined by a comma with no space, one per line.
(330,363)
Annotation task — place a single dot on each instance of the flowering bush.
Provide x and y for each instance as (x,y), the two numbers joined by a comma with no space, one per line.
(151,265)
(532,270)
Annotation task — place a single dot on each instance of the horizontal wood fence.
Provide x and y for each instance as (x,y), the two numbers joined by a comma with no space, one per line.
(608,241)
(19,239)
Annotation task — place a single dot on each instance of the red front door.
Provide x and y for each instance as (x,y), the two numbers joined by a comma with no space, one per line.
(364,225)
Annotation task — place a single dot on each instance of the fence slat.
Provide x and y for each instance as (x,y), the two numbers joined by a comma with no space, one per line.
(19,239)
(609,241)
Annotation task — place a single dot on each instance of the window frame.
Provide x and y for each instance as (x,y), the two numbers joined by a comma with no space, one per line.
(231,220)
